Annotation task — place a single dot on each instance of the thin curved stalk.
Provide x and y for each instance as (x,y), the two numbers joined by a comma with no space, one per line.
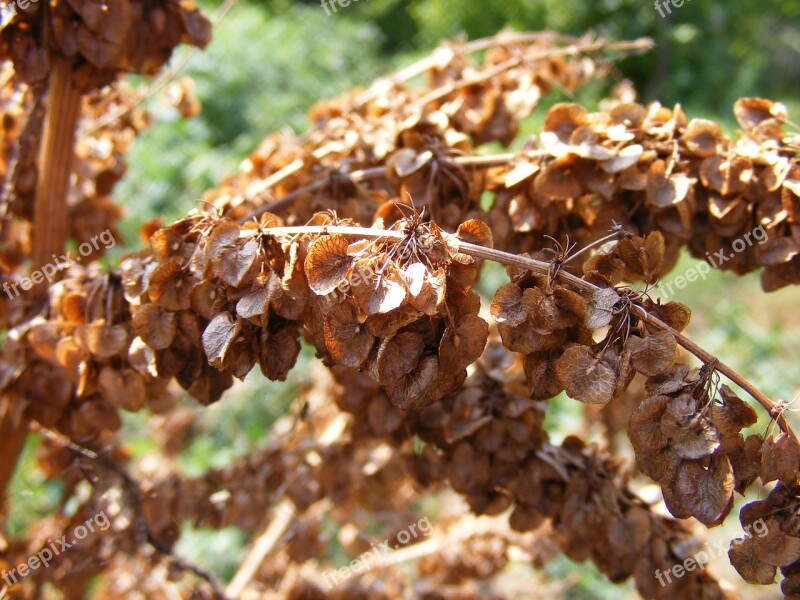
(439,93)
(476,162)
(571,46)
(418,68)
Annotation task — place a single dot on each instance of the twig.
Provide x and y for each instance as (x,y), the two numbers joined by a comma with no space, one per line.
(574,47)
(258,187)
(596,244)
(641,312)
(456,534)
(430,61)
(284,513)
(501,39)
(476,162)
(131,488)
(438,94)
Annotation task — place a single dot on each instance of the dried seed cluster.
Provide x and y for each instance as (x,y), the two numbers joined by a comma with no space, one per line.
(591,347)
(757,557)
(414,324)
(406,140)
(651,169)
(486,442)
(99,40)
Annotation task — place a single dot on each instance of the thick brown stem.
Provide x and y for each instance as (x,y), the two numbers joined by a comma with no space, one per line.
(51,213)
(13,431)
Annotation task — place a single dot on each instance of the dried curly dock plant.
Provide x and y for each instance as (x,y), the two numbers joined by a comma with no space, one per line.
(365,238)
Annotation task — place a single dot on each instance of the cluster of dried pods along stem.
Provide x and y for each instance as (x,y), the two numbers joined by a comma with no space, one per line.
(365,238)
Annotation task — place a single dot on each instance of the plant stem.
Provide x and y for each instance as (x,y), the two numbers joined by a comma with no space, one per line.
(51,212)
(536,54)
(572,46)
(132,490)
(418,68)
(284,515)
(476,162)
